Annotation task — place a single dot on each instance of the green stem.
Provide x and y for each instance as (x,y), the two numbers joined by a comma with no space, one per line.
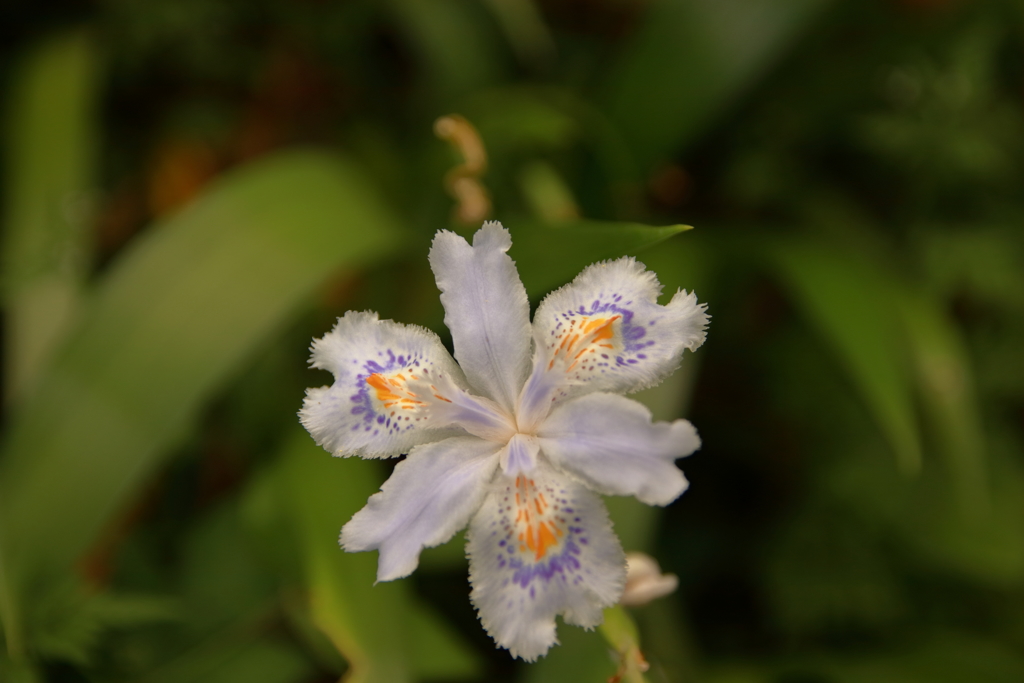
(620,631)
(9,612)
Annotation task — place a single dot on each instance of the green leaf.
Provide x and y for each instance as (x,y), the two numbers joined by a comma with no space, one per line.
(366,622)
(50,143)
(943,658)
(221,578)
(383,633)
(854,308)
(437,651)
(18,671)
(236,655)
(580,656)
(452,42)
(176,316)
(689,60)
(68,621)
(550,255)
(924,518)
(947,387)
(263,661)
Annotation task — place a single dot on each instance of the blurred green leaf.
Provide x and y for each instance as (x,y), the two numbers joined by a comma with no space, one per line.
(689,60)
(854,307)
(49,140)
(180,312)
(526,31)
(380,630)
(447,556)
(945,658)
(581,656)
(258,662)
(451,39)
(221,578)
(437,651)
(948,392)
(517,120)
(550,255)
(826,571)
(236,655)
(50,143)
(549,197)
(924,517)
(68,621)
(18,671)
(366,621)
(983,261)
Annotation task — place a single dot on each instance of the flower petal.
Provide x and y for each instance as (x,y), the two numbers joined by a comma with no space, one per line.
(610,443)
(519,455)
(486,310)
(395,386)
(429,497)
(542,545)
(606,332)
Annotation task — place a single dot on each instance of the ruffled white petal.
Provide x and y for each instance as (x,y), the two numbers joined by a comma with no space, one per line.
(395,386)
(542,545)
(429,497)
(610,443)
(606,332)
(486,310)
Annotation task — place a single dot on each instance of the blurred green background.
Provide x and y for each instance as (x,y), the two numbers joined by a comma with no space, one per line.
(193,189)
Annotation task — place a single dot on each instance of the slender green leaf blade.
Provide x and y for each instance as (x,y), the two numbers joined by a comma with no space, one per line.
(379,628)
(854,308)
(367,623)
(50,141)
(176,316)
(549,255)
(947,387)
(689,60)
(437,651)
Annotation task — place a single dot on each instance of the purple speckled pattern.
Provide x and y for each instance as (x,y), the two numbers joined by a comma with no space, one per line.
(629,338)
(580,571)
(386,363)
(518,560)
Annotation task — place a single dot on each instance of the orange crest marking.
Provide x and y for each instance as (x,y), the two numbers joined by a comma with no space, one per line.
(539,523)
(402,390)
(393,391)
(584,335)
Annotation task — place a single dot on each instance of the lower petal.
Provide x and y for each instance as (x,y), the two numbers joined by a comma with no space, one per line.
(542,545)
(429,497)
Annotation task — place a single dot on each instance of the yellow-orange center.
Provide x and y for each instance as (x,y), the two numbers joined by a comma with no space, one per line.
(539,530)
(585,335)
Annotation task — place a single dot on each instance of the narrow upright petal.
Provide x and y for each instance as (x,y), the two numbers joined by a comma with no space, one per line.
(610,443)
(430,496)
(395,386)
(486,310)
(540,546)
(605,331)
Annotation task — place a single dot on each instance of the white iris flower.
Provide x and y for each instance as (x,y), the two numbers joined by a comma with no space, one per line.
(514,439)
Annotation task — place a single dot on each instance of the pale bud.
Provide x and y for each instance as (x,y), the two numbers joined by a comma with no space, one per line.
(644,580)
